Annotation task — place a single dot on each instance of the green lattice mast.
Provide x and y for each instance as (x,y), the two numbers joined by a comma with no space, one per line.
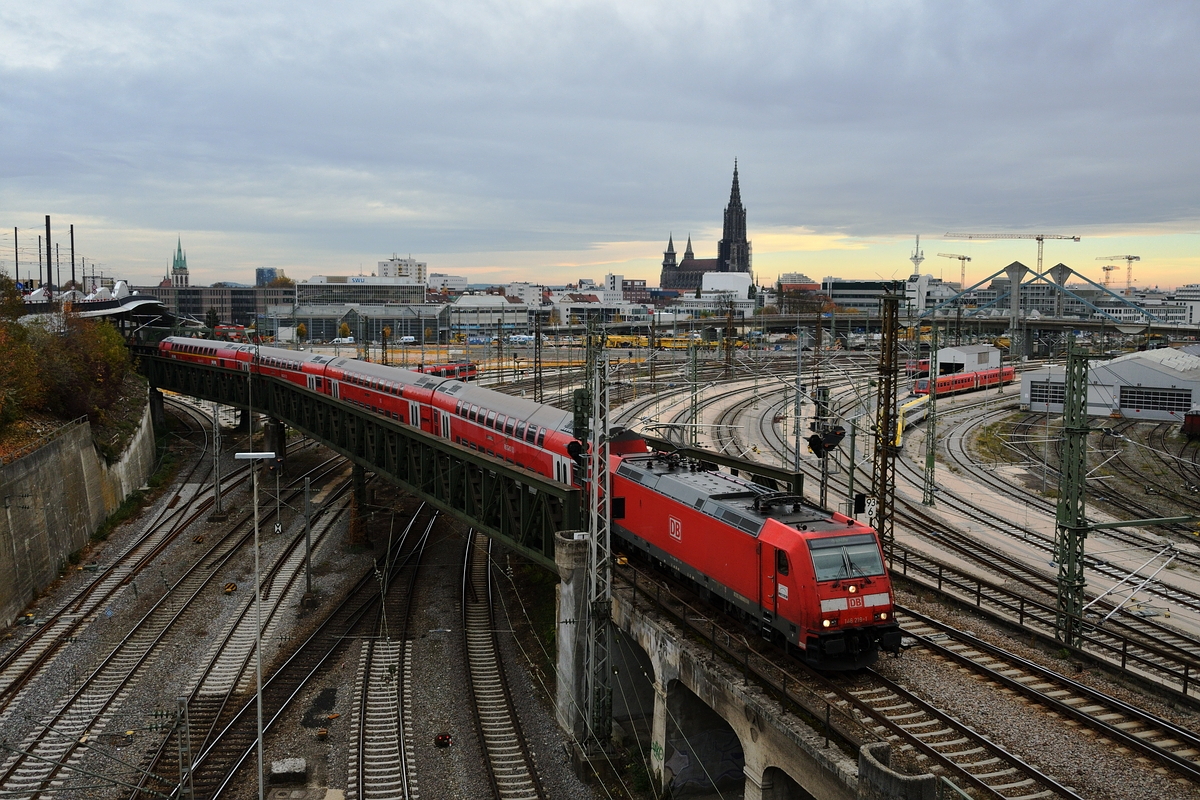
(927,497)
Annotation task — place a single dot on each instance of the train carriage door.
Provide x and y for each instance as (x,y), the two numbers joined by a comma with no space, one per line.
(414,413)
(562,468)
(335,389)
(445,424)
(312,383)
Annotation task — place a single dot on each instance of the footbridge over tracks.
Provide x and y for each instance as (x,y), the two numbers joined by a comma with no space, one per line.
(519,507)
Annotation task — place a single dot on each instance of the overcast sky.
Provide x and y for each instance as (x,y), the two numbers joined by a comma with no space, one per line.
(549,141)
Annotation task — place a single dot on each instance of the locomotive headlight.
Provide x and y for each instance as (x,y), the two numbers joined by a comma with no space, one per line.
(825,623)
(883,615)
(852,589)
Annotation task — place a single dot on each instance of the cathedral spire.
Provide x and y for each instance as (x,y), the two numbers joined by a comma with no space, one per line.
(688,253)
(735,192)
(671,243)
(733,251)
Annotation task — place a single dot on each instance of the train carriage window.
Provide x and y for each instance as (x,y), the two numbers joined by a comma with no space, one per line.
(491,419)
(781,562)
(473,416)
(531,434)
(541,440)
(458,407)
(521,430)
(618,508)
(509,425)
(500,422)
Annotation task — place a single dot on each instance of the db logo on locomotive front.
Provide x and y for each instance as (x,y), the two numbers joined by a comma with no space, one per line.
(856,602)
(675,529)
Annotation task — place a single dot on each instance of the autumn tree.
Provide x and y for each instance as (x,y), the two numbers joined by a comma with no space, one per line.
(302,332)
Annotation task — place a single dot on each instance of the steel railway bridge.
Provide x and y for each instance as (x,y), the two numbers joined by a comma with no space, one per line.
(520,508)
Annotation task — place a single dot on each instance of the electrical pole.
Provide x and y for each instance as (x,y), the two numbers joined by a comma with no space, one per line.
(799,393)
(308,537)
(600,561)
(74,285)
(539,387)
(695,407)
(16,257)
(217,460)
(49,272)
(884,483)
(927,497)
(820,395)
(183,730)
(1071,528)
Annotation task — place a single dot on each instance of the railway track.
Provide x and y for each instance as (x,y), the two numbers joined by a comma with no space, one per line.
(510,764)
(24,663)
(1170,744)
(48,746)
(382,761)
(862,708)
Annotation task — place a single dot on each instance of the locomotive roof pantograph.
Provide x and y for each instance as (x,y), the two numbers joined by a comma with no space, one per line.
(731,499)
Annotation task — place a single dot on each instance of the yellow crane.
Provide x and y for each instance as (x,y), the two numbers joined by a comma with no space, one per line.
(1108,270)
(962,260)
(1041,237)
(1128,270)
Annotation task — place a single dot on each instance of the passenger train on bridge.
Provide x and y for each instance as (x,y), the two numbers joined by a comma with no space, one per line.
(802,575)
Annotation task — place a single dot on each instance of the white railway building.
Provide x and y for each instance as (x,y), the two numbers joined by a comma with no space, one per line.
(1160,385)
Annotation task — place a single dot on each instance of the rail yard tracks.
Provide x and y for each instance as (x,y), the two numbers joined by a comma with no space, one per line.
(859,708)
(47,748)
(1133,728)
(382,761)
(510,764)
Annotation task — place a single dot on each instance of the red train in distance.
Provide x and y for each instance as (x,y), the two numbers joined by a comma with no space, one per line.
(966,381)
(460,370)
(803,576)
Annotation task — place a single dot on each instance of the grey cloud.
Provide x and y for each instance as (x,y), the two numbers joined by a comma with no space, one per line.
(496,126)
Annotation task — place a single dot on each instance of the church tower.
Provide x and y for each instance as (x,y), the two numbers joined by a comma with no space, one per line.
(179,270)
(669,255)
(733,251)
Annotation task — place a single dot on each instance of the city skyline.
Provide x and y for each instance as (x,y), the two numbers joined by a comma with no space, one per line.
(552,142)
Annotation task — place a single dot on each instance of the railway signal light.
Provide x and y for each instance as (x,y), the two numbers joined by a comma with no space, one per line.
(821,443)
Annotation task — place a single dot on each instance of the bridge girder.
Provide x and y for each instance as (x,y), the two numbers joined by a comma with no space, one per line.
(518,507)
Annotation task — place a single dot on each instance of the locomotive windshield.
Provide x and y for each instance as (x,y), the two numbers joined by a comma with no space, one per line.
(922,385)
(842,557)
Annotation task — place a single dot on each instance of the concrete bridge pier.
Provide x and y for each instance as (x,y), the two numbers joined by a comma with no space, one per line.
(158,415)
(570,556)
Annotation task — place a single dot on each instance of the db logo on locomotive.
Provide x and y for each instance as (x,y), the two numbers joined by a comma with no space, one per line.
(675,529)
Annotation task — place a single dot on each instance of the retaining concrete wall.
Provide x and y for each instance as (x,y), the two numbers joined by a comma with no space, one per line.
(53,499)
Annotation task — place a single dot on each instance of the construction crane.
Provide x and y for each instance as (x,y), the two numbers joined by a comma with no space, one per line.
(1041,237)
(1108,270)
(962,260)
(1128,270)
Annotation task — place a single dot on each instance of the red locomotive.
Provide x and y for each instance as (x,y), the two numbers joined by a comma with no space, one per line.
(813,580)
(966,381)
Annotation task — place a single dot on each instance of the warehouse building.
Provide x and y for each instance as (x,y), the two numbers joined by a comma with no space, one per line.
(968,358)
(1160,385)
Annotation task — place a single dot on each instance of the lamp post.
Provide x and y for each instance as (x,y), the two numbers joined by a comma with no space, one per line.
(259,456)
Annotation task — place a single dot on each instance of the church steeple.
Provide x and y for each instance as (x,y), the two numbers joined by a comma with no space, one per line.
(669,255)
(179,268)
(687,254)
(733,251)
